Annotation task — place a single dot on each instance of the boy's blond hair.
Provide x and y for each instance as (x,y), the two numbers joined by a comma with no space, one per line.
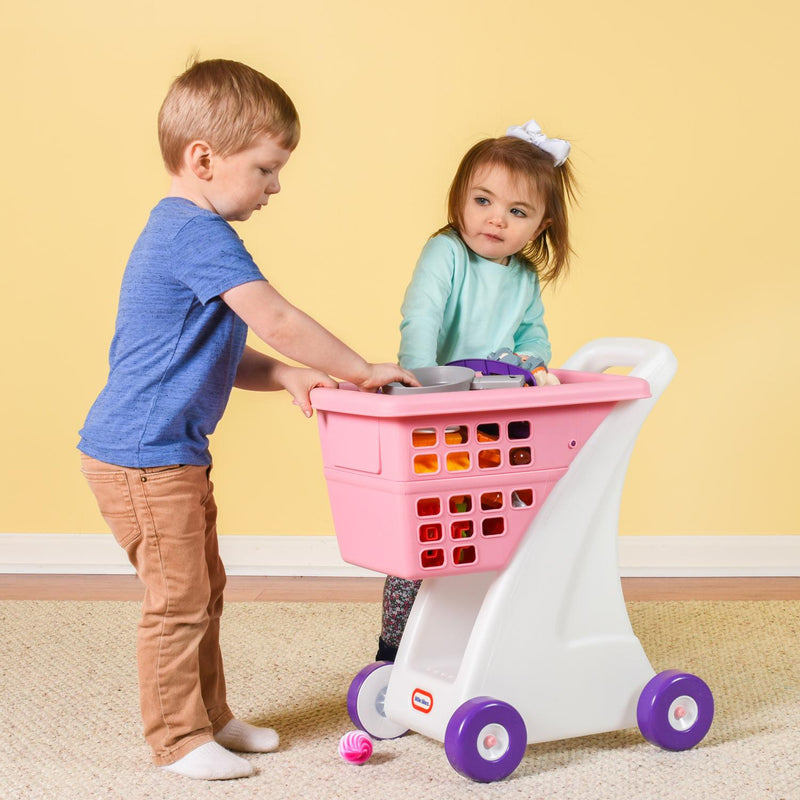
(226,104)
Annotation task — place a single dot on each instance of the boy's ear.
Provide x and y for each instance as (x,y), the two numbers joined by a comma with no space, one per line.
(198,159)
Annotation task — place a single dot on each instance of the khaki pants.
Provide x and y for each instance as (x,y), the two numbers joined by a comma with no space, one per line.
(165,519)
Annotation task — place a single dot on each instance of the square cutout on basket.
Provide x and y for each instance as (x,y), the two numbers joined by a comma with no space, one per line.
(520,456)
(489,459)
(430,559)
(456,434)
(423,437)
(458,461)
(491,501)
(429,507)
(519,429)
(431,532)
(488,432)
(522,498)
(493,526)
(462,529)
(460,504)
(464,555)
(426,462)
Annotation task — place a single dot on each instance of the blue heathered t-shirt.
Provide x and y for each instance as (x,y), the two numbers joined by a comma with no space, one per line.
(177,345)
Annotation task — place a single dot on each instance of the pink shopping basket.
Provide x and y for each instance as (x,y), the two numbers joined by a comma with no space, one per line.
(441,484)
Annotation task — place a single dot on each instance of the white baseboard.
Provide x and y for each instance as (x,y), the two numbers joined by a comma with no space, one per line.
(639,556)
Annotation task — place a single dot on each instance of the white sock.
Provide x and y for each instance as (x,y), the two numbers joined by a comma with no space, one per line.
(245,738)
(211,762)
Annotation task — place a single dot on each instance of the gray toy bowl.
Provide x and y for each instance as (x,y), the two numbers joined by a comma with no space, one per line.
(435,379)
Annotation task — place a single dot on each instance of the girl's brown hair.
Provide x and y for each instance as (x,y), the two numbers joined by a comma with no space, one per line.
(549,253)
(226,104)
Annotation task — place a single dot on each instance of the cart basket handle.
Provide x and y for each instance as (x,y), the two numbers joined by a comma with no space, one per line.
(648,359)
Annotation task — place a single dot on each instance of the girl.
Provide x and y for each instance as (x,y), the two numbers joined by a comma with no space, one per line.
(476,289)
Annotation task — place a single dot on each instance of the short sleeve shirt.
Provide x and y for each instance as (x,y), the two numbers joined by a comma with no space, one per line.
(176,346)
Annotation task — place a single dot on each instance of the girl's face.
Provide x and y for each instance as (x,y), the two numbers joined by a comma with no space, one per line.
(501,214)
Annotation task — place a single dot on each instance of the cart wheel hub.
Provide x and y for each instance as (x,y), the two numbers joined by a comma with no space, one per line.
(682,713)
(493,742)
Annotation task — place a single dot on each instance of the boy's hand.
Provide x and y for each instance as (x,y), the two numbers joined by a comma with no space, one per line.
(299,382)
(380,374)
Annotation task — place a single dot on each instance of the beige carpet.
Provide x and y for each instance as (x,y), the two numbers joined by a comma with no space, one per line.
(71,728)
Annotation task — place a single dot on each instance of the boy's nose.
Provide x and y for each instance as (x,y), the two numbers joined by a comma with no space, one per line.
(273,185)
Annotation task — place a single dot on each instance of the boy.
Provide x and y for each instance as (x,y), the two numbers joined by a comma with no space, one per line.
(189,293)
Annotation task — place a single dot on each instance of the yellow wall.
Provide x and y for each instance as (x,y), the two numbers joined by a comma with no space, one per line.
(684,122)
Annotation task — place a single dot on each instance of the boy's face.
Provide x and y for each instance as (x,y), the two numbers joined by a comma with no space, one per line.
(501,215)
(242,183)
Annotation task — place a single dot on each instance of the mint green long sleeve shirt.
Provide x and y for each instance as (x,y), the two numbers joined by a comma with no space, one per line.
(459,305)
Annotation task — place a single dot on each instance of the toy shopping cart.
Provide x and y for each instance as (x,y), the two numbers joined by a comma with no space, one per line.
(505,502)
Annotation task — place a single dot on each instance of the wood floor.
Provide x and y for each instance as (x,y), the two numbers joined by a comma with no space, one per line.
(306,589)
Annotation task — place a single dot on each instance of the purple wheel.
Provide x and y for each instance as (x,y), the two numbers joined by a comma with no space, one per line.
(365,702)
(485,739)
(675,710)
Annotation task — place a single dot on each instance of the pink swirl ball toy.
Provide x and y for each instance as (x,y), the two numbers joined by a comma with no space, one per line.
(355,747)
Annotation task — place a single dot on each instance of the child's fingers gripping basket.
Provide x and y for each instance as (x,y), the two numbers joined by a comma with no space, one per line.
(437,484)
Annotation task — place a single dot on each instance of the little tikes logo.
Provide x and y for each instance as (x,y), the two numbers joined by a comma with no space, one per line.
(422,700)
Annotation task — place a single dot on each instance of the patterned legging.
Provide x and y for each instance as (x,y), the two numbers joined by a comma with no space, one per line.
(398,597)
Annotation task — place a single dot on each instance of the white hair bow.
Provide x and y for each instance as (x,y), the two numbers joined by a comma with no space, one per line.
(531,132)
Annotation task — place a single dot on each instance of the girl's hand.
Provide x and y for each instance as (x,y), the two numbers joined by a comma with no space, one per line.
(541,374)
(378,375)
(551,380)
(299,382)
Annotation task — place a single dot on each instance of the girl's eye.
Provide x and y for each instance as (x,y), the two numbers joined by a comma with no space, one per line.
(518,212)
(482,201)
(265,171)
